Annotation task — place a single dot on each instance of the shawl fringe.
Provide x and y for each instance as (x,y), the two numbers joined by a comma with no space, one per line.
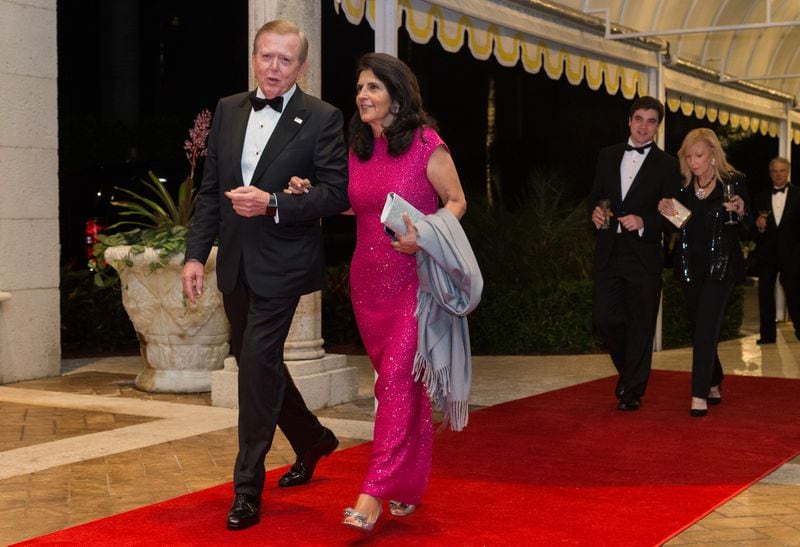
(450,286)
(437,382)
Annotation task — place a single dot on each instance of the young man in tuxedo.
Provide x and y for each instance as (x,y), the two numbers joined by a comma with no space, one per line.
(270,247)
(778,248)
(629,256)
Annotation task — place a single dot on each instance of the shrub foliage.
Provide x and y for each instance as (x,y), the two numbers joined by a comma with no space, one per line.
(535,255)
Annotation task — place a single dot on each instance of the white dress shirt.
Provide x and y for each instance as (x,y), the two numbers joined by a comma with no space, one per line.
(628,169)
(778,205)
(260,126)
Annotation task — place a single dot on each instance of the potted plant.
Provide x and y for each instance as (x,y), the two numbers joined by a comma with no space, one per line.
(181,343)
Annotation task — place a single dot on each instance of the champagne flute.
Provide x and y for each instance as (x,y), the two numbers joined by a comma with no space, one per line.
(728,191)
(763,213)
(605,205)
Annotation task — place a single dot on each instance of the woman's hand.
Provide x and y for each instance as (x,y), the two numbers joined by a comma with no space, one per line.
(297,186)
(666,207)
(736,204)
(407,243)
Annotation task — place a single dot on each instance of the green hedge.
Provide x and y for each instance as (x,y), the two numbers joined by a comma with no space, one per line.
(93,321)
(510,320)
(675,322)
(535,253)
(539,319)
(535,319)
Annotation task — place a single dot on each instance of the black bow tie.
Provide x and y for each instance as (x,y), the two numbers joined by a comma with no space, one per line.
(777,190)
(258,103)
(639,149)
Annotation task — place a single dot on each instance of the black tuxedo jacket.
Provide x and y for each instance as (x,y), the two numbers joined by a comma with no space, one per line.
(658,177)
(283,259)
(779,245)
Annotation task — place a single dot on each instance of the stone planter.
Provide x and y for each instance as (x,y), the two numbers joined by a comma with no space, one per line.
(181,343)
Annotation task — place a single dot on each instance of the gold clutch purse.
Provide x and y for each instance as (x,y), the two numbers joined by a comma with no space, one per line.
(681,214)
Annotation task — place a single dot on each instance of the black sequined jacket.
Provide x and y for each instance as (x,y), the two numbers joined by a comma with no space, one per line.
(724,248)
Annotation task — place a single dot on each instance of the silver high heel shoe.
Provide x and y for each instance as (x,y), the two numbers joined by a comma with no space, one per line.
(400,509)
(358,521)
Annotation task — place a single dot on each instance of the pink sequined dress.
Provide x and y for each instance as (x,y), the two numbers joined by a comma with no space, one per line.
(383,285)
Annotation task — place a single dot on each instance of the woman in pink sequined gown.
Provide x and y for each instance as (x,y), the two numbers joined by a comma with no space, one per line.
(394,147)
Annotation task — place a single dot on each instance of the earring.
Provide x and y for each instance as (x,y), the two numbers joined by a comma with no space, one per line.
(713,161)
(394,108)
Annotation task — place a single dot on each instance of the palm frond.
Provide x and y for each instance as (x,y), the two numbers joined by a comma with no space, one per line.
(160,190)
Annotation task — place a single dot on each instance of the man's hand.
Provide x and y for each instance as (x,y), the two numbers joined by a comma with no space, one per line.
(599,217)
(761,223)
(192,277)
(248,201)
(631,223)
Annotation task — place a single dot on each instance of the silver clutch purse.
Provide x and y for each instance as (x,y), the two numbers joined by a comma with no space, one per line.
(681,214)
(392,214)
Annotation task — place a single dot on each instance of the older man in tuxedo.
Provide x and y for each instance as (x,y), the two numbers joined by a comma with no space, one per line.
(270,247)
(628,259)
(778,248)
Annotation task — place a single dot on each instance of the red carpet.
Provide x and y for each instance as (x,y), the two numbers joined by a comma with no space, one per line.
(560,468)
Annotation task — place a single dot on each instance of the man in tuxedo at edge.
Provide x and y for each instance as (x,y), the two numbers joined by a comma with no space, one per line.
(629,258)
(270,247)
(778,248)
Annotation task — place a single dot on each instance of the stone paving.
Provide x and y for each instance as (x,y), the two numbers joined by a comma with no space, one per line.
(87,444)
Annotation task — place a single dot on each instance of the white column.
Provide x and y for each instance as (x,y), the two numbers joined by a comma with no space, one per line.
(657,89)
(386,27)
(785,135)
(785,151)
(29,246)
(305,337)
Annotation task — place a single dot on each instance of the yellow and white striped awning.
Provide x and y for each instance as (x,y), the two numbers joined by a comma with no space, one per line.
(509,46)
(689,106)
(511,36)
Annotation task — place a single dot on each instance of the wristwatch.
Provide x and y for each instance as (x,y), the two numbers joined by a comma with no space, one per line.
(272,205)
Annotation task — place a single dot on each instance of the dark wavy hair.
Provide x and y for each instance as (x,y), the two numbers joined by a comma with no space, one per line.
(403,89)
(647,103)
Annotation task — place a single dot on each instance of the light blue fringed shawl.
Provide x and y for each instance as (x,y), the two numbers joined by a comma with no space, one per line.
(450,285)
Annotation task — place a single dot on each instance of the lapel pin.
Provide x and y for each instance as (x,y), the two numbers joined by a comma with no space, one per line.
(298,121)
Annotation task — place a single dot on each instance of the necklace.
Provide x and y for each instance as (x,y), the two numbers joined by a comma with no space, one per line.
(701,189)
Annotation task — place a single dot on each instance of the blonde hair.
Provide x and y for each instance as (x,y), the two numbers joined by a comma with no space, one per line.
(281,26)
(719,162)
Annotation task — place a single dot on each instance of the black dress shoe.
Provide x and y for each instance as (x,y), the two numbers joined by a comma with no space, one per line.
(630,404)
(303,468)
(698,412)
(715,400)
(762,341)
(244,512)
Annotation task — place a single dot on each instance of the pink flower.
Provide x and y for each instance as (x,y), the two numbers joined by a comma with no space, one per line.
(195,145)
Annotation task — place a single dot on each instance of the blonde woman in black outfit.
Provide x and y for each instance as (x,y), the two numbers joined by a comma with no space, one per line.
(709,259)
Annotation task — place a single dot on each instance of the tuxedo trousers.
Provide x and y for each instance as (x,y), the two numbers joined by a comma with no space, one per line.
(624,309)
(790,280)
(268,396)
